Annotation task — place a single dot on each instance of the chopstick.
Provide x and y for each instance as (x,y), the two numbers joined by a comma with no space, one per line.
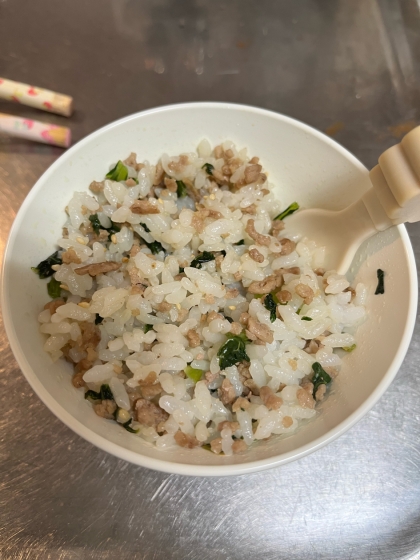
(35,130)
(39,98)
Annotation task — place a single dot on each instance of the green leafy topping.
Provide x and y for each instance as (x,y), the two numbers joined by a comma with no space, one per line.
(271,305)
(147,328)
(118,173)
(98,319)
(241,242)
(320,377)
(93,395)
(193,373)
(380,288)
(209,168)
(96,224)
(289,210)
(155,247)
(53,287)
(44,269)
(127,426)
(203,257)
(106,393)
(306,318)
(207,447)
(111,230)
(135,180)
(349,348)
(181,189)
(233,351)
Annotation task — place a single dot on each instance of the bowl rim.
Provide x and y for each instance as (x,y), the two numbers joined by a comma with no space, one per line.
(183,468)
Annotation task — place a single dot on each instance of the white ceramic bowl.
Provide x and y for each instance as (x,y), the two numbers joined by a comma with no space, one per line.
(305,166)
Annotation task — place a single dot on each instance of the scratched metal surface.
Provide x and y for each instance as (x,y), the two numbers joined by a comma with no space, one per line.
(350,67)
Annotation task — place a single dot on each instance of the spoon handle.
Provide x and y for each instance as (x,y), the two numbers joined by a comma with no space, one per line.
(395,197)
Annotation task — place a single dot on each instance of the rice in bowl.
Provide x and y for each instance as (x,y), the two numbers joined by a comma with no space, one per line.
(191,315)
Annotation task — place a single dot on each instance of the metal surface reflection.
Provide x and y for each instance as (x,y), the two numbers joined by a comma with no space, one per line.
(350,67)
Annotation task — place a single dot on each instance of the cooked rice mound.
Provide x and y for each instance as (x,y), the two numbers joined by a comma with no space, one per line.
(191,316)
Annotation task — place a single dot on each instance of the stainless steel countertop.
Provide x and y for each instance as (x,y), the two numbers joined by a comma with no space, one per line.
(349,67)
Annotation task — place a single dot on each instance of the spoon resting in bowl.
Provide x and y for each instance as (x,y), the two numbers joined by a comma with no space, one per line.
(393,199)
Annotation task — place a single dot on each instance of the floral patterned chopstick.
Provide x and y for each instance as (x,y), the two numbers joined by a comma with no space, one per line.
(39,98)
(35,130)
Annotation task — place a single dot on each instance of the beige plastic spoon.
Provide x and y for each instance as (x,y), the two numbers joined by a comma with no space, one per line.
(393,199)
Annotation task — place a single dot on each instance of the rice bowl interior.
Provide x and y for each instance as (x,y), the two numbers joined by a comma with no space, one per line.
(326,165)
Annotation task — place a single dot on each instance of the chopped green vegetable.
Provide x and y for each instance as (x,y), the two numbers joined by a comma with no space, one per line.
(271,305)
(96,224)
(135,180)
(203,257)
(98,319)
(155,247)
(181,189)
(147,328)
(209,168)
(44,269)
(92,395)
(300,309)
(118,173)
(111,230)
(320,377)
(241,242)
(207,447)
(380,288)
(193,373)
(53,287)
(349,348)
(106,393)
(289,210)
(127,427)
(306,318)
(233,351)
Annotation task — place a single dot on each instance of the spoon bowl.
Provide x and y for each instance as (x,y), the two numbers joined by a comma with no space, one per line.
(394,198)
